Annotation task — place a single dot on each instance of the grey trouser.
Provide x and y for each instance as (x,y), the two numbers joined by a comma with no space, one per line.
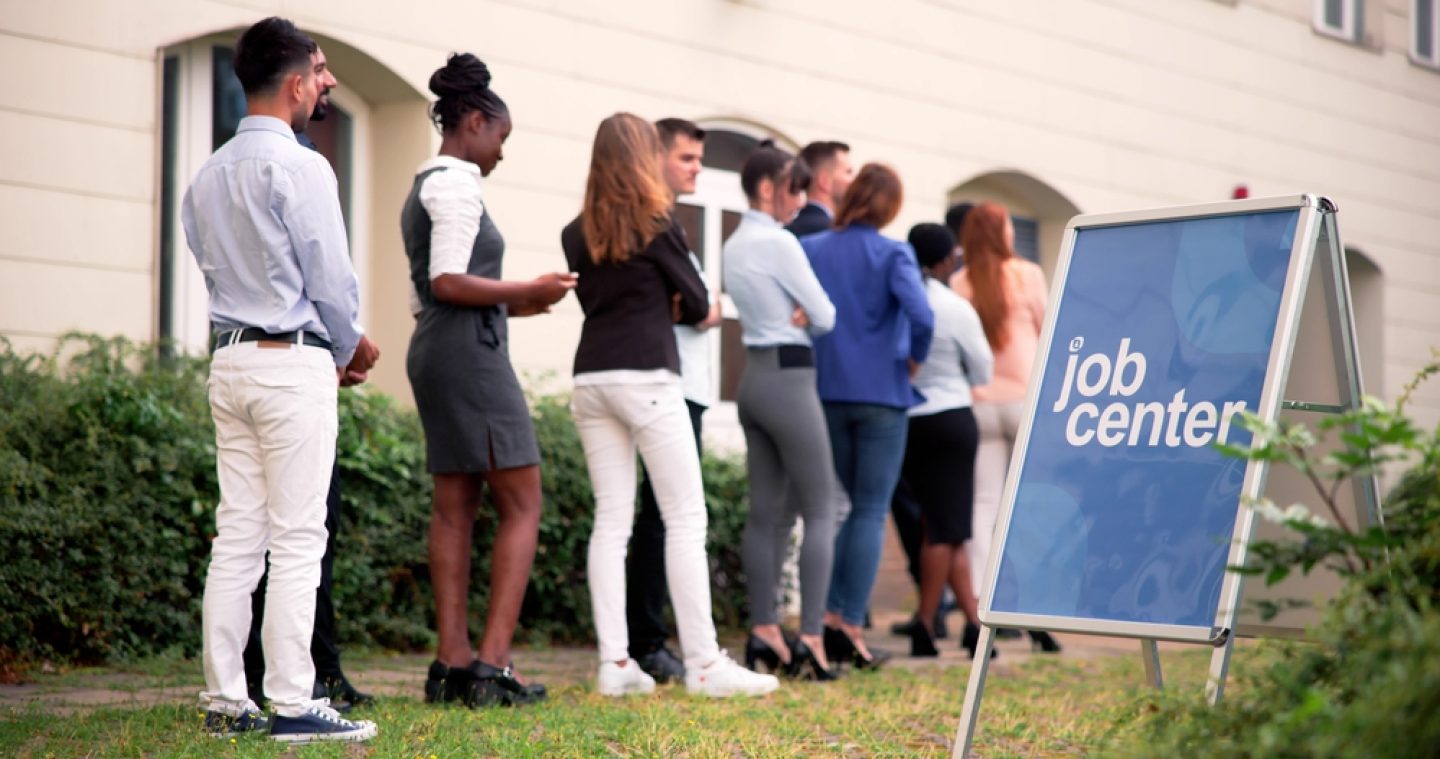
(788,456)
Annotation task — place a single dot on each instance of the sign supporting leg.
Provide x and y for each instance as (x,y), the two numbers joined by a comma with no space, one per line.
(1219,669)
(970,712)
(1150,655)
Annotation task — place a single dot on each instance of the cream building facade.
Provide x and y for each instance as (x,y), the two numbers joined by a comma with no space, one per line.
(1055,107)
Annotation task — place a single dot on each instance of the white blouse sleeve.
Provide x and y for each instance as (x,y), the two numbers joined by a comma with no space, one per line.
(452,199)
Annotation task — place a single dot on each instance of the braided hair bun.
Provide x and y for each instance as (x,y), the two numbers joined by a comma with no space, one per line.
(462,85)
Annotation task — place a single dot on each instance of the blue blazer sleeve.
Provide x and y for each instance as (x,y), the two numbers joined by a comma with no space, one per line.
(907,285)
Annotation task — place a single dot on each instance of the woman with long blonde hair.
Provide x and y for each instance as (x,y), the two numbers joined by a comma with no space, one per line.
(635,282)
(1009,294)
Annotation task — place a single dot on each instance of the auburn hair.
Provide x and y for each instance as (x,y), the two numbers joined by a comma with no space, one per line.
(982,241)
(874,198)
(627,203)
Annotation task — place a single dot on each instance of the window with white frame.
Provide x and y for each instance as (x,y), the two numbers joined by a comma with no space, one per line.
(1425,32)
(1341,18)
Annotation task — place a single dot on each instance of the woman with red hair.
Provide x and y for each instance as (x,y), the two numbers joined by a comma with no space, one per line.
(1009,294)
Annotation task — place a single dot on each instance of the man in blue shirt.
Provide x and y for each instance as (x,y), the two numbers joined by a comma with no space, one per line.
(262,218)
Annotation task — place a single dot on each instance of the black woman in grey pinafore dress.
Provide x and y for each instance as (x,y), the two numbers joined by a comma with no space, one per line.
(478,434)
(470,402)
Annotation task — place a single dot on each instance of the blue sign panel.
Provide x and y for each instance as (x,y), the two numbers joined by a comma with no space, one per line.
(1124,511)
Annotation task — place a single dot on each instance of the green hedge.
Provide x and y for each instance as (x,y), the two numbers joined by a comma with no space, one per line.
(108,494)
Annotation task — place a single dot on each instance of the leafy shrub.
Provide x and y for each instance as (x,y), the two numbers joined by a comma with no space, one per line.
(1369,684)
(108,497)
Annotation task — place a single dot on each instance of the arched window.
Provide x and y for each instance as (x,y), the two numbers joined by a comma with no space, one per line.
(202,104)
(1039,211)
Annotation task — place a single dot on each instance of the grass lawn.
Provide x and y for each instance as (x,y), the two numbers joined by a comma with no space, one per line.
(1034,706)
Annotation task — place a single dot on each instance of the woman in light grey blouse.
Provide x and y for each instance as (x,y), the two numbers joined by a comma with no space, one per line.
(781,305)
(939,467)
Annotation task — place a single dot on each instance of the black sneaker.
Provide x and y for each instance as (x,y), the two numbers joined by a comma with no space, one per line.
(320,723)
(481,685)
(663,665)
(343,696)
(221,725)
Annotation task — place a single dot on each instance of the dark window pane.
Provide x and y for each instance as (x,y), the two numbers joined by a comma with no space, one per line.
(169,137)
(732,359)
(229,104)
(1027,238)
(727,150)
(692,220)
(1335,13)
(729,220)
(1425,29)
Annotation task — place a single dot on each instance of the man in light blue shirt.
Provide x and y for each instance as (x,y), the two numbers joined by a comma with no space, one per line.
(263,220)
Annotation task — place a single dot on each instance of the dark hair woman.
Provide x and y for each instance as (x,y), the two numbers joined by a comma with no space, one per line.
(477,427)
(635,282)
(883,327)
(787,446)
(939,469)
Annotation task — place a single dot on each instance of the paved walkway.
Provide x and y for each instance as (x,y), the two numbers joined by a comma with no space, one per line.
(402,675)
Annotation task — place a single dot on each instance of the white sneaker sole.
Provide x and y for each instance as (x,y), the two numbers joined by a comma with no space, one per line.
(758,690)
(641,688)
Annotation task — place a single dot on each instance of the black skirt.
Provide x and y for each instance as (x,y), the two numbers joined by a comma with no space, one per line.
(940,473)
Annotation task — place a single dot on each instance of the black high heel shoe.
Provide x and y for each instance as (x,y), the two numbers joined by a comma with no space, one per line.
(805,665)
(970,640)
(839,648)
(922,643)
(1042,642)
(757,651)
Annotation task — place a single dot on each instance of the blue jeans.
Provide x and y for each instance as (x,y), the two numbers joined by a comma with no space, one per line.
(868,445)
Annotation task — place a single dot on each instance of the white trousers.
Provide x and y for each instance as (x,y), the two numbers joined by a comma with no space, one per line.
(614,420)
(999,424)
(275,423)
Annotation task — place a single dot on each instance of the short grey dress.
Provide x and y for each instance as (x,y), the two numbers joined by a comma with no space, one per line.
(470,402)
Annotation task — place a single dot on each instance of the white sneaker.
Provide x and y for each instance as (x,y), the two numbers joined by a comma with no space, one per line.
(628,680)
(723,678)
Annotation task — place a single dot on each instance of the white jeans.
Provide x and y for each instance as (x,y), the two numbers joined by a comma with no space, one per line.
(999,424)
(275,423)
(613,420)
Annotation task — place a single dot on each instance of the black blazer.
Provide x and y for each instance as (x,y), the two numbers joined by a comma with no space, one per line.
(628,318)
(811,219)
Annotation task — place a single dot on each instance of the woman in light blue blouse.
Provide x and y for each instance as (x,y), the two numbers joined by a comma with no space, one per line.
(781,305)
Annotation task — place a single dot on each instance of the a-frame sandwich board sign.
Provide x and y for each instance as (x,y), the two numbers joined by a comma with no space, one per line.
(1119,516)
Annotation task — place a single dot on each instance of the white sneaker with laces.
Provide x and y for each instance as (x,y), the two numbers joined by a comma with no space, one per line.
(629,680)
(724,678)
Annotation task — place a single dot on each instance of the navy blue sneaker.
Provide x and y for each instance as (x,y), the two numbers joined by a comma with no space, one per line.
(320,723)
(221,725)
